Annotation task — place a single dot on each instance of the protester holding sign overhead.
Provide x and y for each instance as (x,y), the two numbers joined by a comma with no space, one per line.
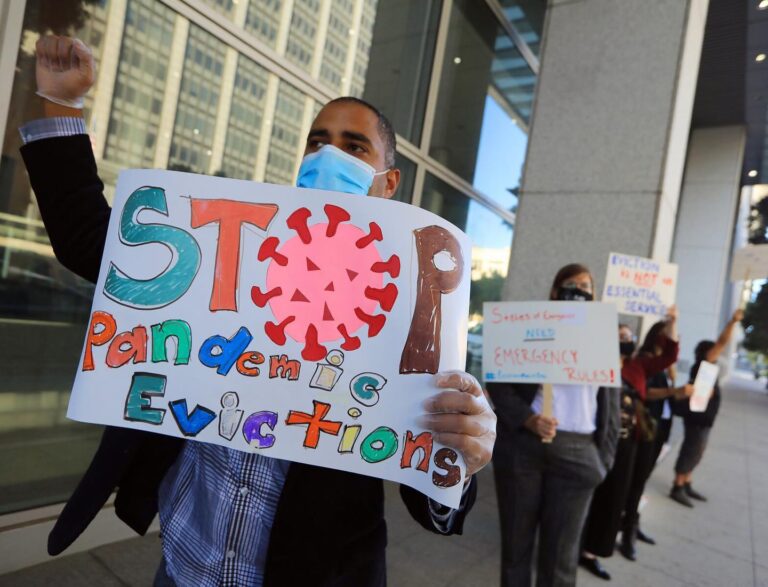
(605,513)
(659,392)
(546,486)
(229,517)
(699,424)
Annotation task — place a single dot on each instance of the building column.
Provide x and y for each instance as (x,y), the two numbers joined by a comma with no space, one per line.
(705,235)
(171,95)
(608,137)
(225,95)
(107,75)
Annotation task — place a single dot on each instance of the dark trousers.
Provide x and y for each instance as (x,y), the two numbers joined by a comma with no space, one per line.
(645,457)
(692,449)
(605,512)
(161,577)
(545,487)
(663,432)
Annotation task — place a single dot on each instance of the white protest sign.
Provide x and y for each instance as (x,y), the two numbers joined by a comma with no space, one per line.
(706,377)
(750,262)
(299,324)
(640,286)
(551,342)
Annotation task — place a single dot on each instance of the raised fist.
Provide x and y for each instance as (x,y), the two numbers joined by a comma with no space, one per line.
(65,69)
(672,313)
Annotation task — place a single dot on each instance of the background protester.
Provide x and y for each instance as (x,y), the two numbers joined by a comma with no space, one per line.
(605,513)
(699,424)
(659,393)
(546,486)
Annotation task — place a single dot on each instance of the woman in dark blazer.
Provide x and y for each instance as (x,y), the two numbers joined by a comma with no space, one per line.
(547,486)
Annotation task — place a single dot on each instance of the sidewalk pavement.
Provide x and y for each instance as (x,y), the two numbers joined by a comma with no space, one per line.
(716,544)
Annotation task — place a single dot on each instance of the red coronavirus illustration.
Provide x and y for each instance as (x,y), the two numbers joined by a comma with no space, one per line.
(325,283)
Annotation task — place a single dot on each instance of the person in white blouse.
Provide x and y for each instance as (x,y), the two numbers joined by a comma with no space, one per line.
(547,486)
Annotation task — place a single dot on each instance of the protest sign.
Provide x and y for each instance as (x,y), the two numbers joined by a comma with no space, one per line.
(640,286)
(750,262)
(551,342)
(706,377)
(300,324)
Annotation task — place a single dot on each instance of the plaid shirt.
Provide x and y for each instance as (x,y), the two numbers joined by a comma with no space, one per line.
(216,505)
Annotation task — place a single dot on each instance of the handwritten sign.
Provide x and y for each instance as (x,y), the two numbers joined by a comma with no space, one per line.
(551,342)
(640,286)
(298,324)
(750,262)
(706,377)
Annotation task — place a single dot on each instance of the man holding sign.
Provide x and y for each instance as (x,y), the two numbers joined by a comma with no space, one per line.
(230,517)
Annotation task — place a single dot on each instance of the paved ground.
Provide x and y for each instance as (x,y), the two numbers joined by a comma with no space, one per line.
(723,543)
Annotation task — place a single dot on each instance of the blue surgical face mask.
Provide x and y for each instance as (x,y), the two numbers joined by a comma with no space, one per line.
(330,168)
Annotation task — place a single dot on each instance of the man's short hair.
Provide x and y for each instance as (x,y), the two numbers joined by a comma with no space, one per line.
(386,131)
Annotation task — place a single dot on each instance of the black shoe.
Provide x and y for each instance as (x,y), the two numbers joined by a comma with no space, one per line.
(593,566)
(643,537)
(680,496)
(627,549)
(691,492)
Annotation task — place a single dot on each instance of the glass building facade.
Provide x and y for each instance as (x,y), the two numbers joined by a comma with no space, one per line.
(230,87)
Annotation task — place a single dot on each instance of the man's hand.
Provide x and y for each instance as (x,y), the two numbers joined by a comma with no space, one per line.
(461,418)
(542,426)
(738,316)
(65,69)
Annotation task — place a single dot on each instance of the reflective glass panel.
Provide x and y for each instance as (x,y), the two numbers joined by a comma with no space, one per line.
(527,16)
(400,63)
(486,87)
(491,244)
(43,307)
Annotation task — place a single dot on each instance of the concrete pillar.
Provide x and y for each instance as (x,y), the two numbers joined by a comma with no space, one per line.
(705,235)
(608,136)
(107,75)
(172,88)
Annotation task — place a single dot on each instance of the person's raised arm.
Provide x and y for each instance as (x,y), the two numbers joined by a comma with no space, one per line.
(669,347)
(59,158)
(671,328)
(725,337)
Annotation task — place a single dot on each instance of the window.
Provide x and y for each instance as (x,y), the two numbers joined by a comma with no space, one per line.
(491,241)
(480,62)
(400,63)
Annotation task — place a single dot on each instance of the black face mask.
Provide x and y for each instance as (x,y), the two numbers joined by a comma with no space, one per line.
(573,294)
(627,349)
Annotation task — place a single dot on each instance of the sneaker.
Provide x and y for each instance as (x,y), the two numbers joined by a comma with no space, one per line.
(691,492)
(593,566)
(680,496)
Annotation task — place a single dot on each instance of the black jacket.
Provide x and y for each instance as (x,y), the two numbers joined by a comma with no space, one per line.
(512,403)
(329,527)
